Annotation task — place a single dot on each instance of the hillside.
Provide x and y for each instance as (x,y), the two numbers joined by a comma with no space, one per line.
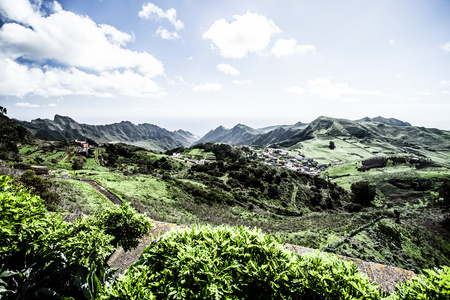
(368,138)
(144,135)
(272,188)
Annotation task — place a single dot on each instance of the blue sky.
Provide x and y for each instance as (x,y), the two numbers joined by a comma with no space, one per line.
(197,64)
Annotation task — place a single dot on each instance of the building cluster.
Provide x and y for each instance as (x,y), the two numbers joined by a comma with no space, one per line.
(298,163)
(84,147)
(195,161)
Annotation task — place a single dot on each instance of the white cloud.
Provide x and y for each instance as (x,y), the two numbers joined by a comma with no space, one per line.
(446,47)
(323,88)
(76,43)
(227,69)
(166,35)
(26,104)
(296,90)
(20,81)
(289,47)
(52,105)
(243,82)
(116,37)
(392,41)
(207,87)
(150,10)
(249,33)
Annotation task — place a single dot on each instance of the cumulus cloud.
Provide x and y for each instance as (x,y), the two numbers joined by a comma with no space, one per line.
(289,47)
(20,80)
(151,11)
(207,87)
(324,88)
(296,90)
(446,47)
(88,54)
(166,35)
(248,33)
(445,82)
(227,69)
(26,104)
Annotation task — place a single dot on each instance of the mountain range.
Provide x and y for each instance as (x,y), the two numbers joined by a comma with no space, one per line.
(153,137)
(144,135)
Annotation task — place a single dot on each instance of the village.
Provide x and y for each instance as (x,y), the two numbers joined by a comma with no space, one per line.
(298,163)
(269,156)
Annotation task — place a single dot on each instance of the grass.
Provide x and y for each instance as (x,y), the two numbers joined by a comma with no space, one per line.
(80,197)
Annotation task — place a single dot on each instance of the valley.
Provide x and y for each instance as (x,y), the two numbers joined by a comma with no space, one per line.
(300,190)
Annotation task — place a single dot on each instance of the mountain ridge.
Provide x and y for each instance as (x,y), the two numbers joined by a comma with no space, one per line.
(145,135)
(153,137)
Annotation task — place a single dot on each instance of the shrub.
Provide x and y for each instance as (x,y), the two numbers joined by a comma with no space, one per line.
(204,262)
(432,284)
(41,187)
(125,224)
(42,256)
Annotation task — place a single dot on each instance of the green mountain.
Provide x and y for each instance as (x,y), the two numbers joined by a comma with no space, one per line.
(144,135)
(392,132)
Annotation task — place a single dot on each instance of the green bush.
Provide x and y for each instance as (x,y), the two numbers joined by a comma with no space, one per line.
(431,285)
(42,256)
(125,224)
(204,262)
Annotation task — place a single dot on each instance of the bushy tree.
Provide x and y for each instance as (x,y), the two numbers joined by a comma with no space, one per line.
(125,224)
(363,193)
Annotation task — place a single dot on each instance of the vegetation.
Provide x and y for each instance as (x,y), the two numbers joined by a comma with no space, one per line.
(375,201)
(432,284)
(41,255)
(205,262)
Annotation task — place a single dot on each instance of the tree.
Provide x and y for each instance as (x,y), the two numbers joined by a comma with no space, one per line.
(331,145)
(363,193)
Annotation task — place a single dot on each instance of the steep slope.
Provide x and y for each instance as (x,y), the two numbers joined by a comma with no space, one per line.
(145,135)
(238,135)
(245,135)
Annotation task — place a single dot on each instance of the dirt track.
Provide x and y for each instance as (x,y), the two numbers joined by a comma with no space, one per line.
(113,198)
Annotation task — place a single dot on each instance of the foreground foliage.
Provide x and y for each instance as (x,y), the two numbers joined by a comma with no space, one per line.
(432,284)
(205,262)
(42,256)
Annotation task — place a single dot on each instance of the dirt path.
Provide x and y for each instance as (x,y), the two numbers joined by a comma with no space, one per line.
(113,198)
(294,195)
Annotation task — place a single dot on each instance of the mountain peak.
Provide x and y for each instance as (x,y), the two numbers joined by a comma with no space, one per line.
(387,121)
(63,119)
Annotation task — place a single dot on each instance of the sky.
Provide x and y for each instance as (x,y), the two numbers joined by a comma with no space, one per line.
(196,64)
